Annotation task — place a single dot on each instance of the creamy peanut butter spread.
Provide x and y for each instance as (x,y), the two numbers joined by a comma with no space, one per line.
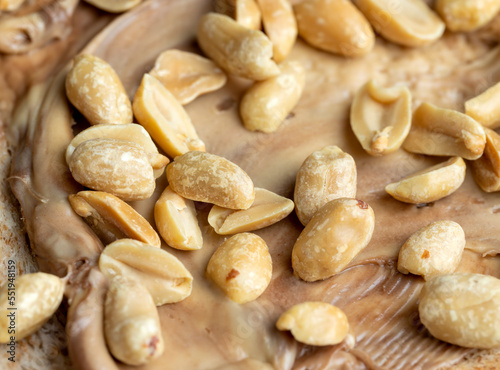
(207,330)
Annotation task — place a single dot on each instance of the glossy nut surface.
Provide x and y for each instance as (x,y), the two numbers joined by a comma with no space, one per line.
(467,15)
(245,12)
(486,169)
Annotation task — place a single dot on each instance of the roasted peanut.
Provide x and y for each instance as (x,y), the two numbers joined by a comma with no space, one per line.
(163,275)
(114,6)
(467,15)
(131,323)
(37,297)
(176,221)
(187,75)
(325,175)
(409,22)
(437,131)
(335,235)
(436,249)
(241,267)
(381,117)
(245,12)
(462,309)
(267,103)
(95,89)
(486,169)
(10,5)
(267,209)
(484,108)
(315,323)
(334,26)
(207,177)
(236,49)
(430,184)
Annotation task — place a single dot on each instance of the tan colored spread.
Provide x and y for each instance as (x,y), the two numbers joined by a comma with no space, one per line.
(207,330)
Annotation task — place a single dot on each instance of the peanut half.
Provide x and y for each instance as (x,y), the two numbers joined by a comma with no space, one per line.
(131,323)
(95,89)
(467,15)
(37,297)
(187,75)
(444,132)
(462,309)
(241,267)
(164,118)
(334,26)
(409,23)
(315,323)
(325,175)
(486,169)
(236,49)
(267,103)
(267,209)
(381,117)
(335,235)
(430,184)
(207,177)
(176,221)
(244,12)
(163,275)
(111,218)
(484,107)
(114,6)
(436,249)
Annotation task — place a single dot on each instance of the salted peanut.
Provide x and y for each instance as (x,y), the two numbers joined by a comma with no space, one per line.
(36,297)
(163,275)
(467,15)
(335,235)
(95,89)
(131,323)
(111,218)
(237,49)
(381,117)
(207,177)
(325,175)
(267,209)
(118,167)
(462,309)
(486,169)
(244,12)
(176,221)
(409,23)
(187,75)
(280,26)
(429,184)
(484,107)
(444,132)
(435,249)
(315,323)
(164,118)
(266,104)
(241,267)
(10,5)
(334,26)
(114,6)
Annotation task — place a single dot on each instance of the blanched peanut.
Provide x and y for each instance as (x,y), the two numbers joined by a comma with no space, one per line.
(325,175)
(467,15)
(484,108)
(245,12)
(430,184)
(241,267)
(486,169)
(114,6)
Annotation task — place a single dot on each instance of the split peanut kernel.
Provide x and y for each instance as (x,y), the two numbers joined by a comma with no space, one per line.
(484,107)
(486,169)
(381,117)
(187,75)
(462,309)
(95,89)
(111,218)
(467,15)
(268,208)
(409,23)
(163,275)
(315,323)
(176,221)
(114,6)
(236,49)
(207,177)
(436,249)
(334,26)
(244,12)
(444,132)
(430,184)
(131,323)
(38,296)
(159,112)
(267,103)
(335,235)
(241,267)
(325,175)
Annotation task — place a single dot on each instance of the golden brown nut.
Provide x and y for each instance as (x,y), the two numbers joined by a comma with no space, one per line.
(114,6)
(484,108)
(10,5)
(467,15)
(486,169)
(245,12)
